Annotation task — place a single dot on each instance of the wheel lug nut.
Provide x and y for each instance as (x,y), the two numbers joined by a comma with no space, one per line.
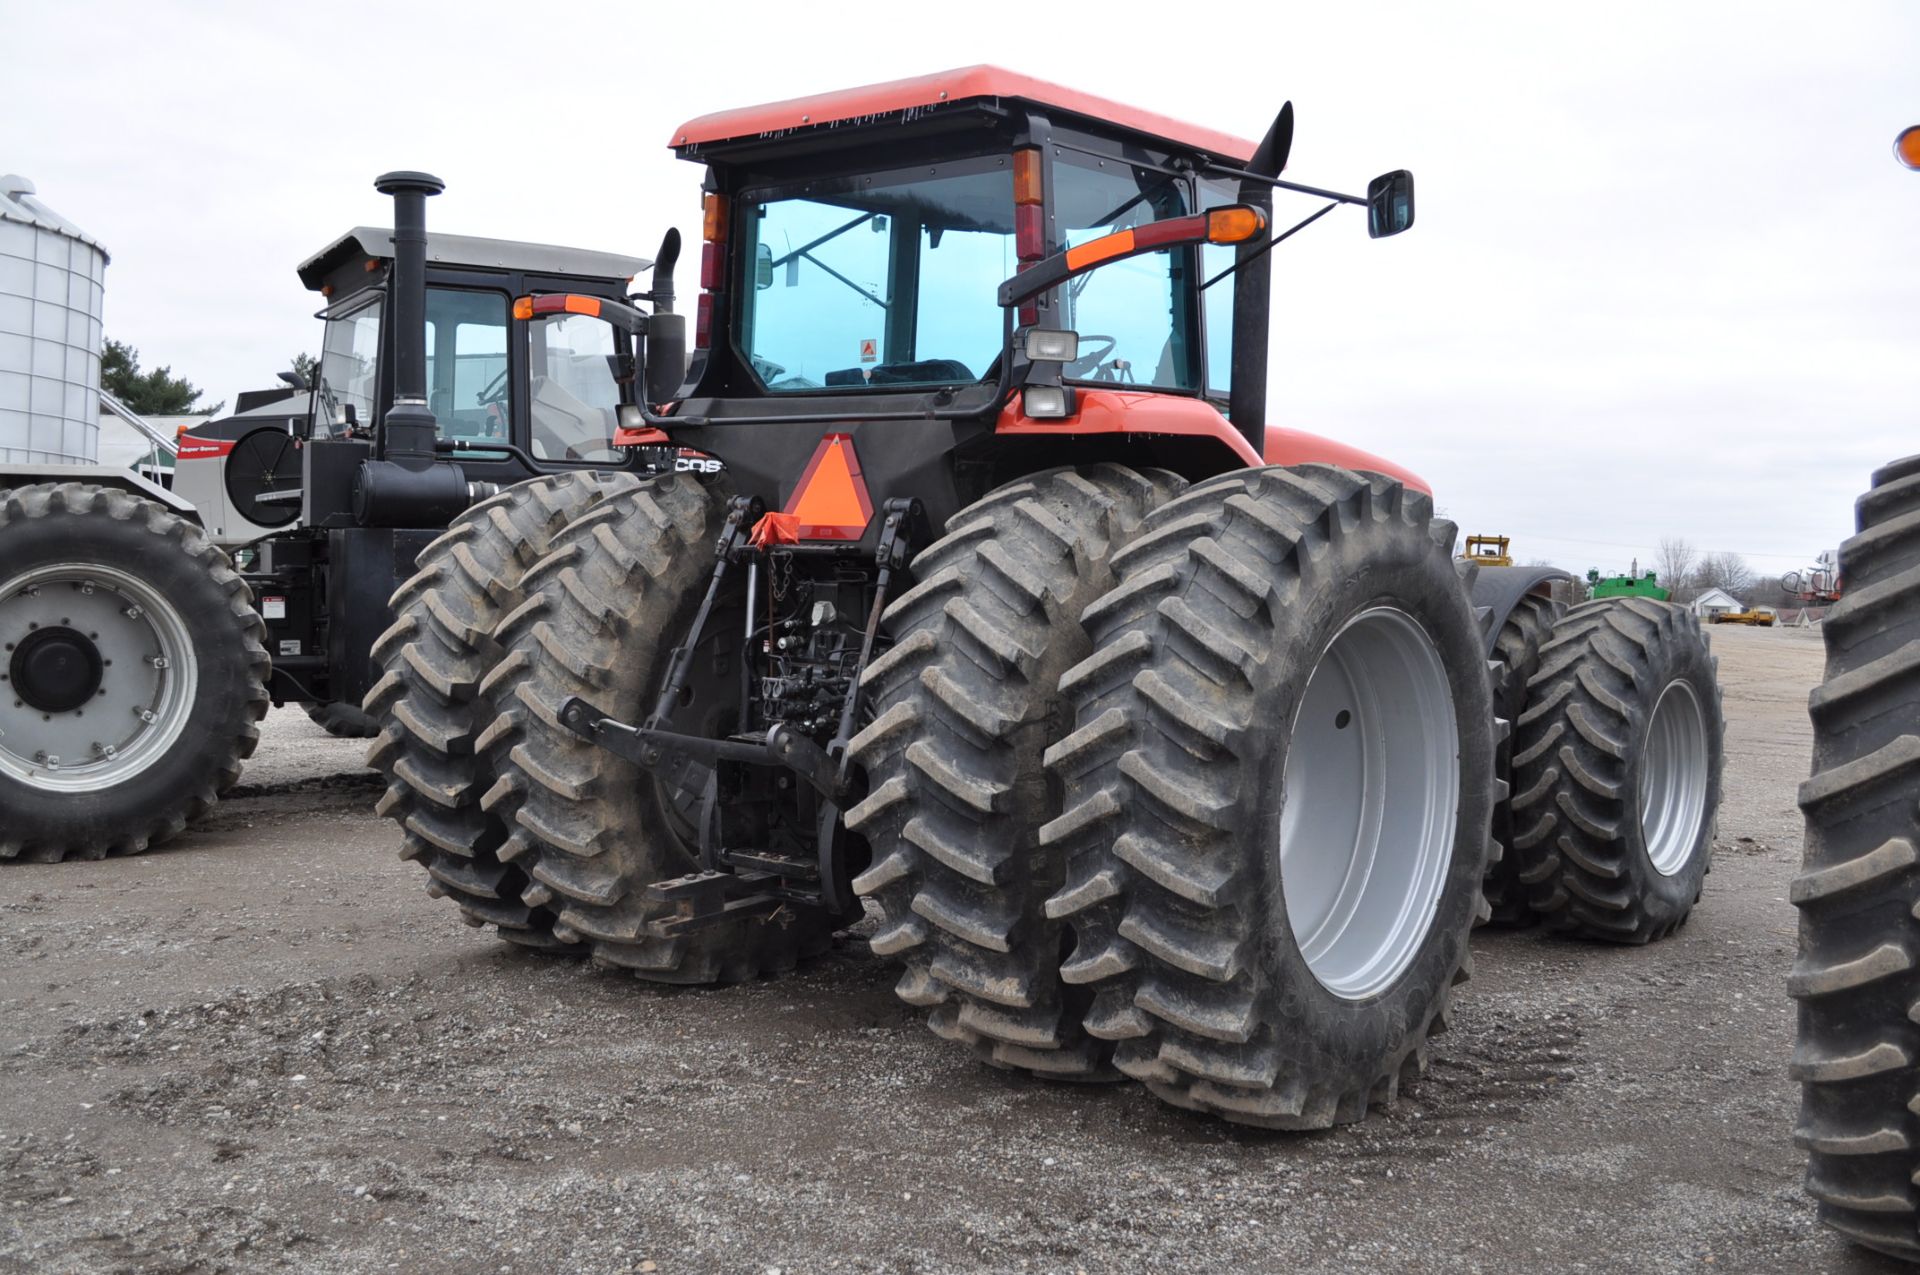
(133,613)
(146,715)
(158,661)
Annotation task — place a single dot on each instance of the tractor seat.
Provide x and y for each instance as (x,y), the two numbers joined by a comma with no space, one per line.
(921,372)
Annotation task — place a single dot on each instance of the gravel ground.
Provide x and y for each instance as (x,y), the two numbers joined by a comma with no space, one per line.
(265,1048)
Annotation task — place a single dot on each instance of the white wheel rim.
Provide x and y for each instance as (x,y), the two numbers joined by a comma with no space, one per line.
(1370,798)
(146,691)
(1673,778)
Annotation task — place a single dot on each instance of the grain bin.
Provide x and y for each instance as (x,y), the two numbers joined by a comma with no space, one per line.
(50,293)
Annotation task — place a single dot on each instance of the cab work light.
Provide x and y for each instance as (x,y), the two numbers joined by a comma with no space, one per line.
(1052,345)
(1046,402)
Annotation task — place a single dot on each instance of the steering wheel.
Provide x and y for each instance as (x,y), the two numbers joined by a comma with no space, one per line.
(1087,363)
(495,392)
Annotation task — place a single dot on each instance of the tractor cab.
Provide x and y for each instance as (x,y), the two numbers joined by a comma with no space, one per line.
(511,396)
(984,265)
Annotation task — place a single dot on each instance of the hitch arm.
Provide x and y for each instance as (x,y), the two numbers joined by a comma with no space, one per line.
(661,751)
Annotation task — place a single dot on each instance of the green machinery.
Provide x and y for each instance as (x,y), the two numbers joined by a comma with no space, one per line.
(1626,586)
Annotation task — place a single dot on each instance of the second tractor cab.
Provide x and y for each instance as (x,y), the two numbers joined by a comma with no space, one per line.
(327,505)
(1165,743)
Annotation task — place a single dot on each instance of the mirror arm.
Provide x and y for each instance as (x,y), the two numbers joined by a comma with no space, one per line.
(1263,179)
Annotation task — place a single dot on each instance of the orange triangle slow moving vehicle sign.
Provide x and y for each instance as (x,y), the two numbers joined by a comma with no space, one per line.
(830,501)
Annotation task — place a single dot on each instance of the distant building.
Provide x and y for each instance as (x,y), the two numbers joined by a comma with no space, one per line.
(1714,602)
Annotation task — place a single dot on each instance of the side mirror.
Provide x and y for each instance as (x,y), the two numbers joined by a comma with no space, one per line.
(296,380)
(763,267)
(1389,203)
(666,354)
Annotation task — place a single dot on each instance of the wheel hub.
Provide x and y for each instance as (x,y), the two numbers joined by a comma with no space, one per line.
(1370,794)
(1673,787)
(55,670)
(100,676)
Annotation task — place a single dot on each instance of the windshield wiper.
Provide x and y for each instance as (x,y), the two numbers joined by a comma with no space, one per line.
(805,253)
(806,249)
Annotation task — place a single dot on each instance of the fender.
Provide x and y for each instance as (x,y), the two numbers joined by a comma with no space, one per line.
(1104,411)
(1496,591)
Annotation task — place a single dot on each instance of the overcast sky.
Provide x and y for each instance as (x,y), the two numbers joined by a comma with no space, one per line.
(1664,279)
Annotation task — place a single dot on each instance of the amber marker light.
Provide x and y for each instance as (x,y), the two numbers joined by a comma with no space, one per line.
(1906,147)
(1236,223)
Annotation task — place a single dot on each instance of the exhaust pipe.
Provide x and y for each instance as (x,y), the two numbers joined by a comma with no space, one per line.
(406,485)
(410,430)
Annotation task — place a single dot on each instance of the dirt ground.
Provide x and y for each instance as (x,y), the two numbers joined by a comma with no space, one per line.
(265,1048)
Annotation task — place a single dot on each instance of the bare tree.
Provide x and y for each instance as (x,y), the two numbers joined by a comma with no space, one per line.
(1675,560)
(1727,571)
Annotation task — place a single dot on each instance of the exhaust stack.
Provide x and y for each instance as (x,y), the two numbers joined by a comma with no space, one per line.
(405,484)
(409,430)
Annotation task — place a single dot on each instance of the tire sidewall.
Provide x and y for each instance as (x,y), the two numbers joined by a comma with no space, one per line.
(1406,572)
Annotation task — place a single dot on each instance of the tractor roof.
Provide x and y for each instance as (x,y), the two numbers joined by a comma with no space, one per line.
(465,250)
(901,100)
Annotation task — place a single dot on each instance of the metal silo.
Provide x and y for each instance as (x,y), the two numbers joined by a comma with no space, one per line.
(50,290)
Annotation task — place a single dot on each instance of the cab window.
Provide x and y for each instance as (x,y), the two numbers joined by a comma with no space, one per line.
(467,383)
(349,367)
(1135,316)
(573,390)
(877,281)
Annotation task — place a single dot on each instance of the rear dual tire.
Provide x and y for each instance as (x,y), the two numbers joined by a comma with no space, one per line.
(588,832)
(965,705)
(1616,771)
(1516,657)
(431,705)
(1211,794)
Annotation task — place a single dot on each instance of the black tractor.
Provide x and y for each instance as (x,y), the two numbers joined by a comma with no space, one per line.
(145,632)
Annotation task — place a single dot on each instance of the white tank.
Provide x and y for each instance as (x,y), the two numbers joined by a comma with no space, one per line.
(50,289)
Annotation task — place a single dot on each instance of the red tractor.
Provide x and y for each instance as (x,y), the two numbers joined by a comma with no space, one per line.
(1163,742)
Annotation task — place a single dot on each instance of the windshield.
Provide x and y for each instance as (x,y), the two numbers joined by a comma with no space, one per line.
(871,281)
(888,280)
